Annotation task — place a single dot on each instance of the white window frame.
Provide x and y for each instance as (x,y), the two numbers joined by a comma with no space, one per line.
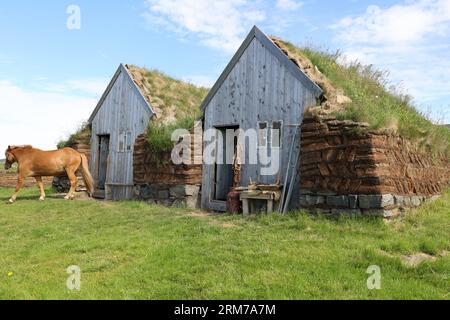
(123,137)
(280,134)
(266,135)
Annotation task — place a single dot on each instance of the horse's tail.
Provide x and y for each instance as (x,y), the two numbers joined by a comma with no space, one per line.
(89,182)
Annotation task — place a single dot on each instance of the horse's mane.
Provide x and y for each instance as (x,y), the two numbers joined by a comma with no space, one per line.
(27,146)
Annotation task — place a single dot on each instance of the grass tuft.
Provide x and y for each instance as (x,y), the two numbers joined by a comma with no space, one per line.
(83,130)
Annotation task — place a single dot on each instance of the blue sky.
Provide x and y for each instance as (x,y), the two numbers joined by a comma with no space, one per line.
(51,77)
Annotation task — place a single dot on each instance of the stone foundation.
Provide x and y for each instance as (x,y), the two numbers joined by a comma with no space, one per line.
(157,180)
(170,196)
(348,169)
(62,184)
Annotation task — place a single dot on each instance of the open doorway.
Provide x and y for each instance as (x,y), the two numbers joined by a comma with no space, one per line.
(103,154)
(224,178)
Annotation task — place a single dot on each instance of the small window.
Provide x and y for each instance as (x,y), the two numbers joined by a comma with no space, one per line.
(129,142)
(277,134)
(122,142)
(125,143)
(262,134)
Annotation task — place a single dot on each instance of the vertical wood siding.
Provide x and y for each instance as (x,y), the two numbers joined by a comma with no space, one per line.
(123,110)
(258,89)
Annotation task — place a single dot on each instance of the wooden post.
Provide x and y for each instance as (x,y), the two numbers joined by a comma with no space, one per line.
(245,209)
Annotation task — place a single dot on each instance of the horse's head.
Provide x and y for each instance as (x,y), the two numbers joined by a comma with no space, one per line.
(10,158)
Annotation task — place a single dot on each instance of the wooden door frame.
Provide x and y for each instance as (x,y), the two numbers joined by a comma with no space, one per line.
(212,195)
(99,137)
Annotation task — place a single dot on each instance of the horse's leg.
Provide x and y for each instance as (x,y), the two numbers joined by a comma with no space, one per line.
(19,185)
(41,188)
(73,184)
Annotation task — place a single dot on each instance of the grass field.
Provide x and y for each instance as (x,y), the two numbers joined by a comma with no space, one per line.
(131,250)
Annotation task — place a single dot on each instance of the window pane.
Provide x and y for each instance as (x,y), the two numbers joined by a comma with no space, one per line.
(276,134)
(129,142)
(262,134)
(121,142)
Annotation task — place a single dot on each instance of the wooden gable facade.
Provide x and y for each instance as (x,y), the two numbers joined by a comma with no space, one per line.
(260,89)
(120,116)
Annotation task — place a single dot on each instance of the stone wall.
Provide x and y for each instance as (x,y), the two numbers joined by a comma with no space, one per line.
(346,168)
(158,180)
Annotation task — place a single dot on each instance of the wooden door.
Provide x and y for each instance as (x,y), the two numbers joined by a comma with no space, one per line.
(224,175)
(103,155)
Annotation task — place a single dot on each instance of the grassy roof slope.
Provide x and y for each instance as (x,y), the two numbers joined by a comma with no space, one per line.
(176,104)
(83,131)
(358,92)
(170,99)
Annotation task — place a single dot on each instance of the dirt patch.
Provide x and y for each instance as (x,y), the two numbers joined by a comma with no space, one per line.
(229,225)
(416,259)
(223,225)
(413,260)
(199,214)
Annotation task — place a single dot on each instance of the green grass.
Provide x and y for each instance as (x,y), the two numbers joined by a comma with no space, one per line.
(179,103)
(169,93)
(131,250)
(378,102)
(83,130)
(159,135)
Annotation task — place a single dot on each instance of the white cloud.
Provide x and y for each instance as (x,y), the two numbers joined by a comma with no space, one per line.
(411,41)
(408,23)
(90,86)
(288,5)
(218,24)
(39,118)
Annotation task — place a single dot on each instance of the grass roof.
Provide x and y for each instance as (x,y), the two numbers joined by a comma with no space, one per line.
(171,99)
(358,92)
(83,131)
(176,104)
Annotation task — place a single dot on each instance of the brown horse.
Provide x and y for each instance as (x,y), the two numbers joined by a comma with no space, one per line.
(37,163)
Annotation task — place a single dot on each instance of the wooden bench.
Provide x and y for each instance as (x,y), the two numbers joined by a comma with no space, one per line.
(248,197)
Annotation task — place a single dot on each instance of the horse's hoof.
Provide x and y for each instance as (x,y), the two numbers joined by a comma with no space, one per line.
(41,199)
(10,201)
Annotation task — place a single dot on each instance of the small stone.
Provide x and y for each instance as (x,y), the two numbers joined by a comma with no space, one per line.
(192,202)
(376,201)
(310,201)
(149,192)
(387,200)
(182,191)
(353,201)
(338,201)
(399,200)
(178,192)
(407,201)
(191,190)
(416,201)
(163,194)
